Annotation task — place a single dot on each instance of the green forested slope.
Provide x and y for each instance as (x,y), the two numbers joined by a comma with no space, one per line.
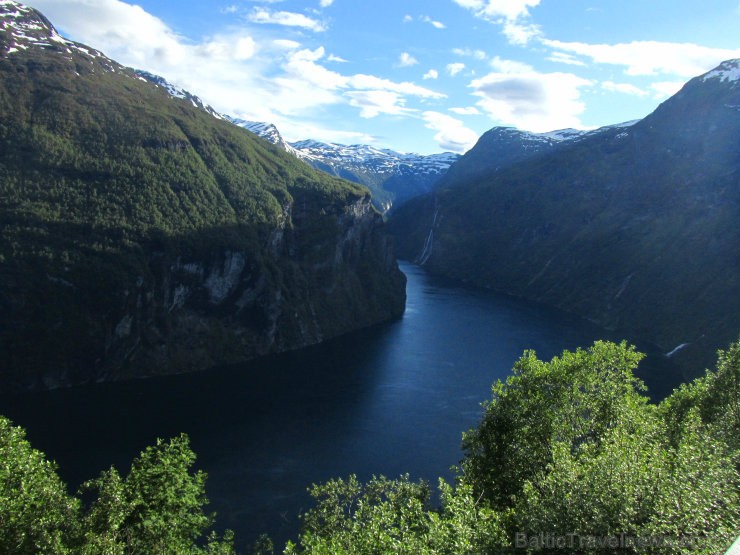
(139,234)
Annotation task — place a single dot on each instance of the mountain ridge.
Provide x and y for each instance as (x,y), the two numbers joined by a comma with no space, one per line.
(393,177)
(630,227)
(141,235)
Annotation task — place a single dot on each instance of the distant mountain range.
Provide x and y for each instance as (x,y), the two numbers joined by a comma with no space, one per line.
(392,177)
(141,234)
(635,226)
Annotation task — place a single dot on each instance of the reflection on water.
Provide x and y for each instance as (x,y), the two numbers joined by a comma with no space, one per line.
(389,400)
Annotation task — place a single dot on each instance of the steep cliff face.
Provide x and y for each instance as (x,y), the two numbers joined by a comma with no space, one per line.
(141,235)
(633,227)
(314,280)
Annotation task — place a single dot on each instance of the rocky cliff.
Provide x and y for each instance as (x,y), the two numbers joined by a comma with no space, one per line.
(141,235)
(315,278)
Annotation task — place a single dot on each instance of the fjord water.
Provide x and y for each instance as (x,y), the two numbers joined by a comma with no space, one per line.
(389,400)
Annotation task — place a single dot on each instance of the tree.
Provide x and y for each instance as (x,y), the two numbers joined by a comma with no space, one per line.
(157,508)
(716,397)
(395,516)
(573,399)
(37,516)
(575,452)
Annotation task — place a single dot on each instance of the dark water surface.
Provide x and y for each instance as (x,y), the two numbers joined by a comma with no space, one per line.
(390,400)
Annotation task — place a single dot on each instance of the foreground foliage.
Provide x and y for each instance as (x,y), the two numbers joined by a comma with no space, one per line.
(569,457)
(156,508)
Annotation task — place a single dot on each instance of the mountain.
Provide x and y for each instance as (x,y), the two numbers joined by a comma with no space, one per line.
(141,235)
(177,92)
(634,227)
(392,177)
(265,130)
(501,147)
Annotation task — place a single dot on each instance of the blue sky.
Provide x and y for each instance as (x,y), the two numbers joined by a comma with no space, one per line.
(413,75)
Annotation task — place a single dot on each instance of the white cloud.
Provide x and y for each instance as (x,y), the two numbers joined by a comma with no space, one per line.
(520,33)
(454,69)
(499,9)
(408,18)
(375,102)
(503,65)
(228,48)
(287,19)
(431,74)
(287,44)
(624,88)
(565,58)
(512,15)
(477,54)
(451,133)
(307,84)
(337,59)
(530,100)
(326,3)
(433,23)
(367,82)
(664,89)
(407,60)
(302,66)
(468,111)
(650,57)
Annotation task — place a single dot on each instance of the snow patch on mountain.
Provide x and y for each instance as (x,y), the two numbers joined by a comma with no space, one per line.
(23,27)
(177,92)
(380,160)
(728,70)
(565,135)
(391,176)
(265,130)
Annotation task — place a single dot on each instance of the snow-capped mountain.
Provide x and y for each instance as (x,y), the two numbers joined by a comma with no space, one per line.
(500,147)
(177,92)
(728,70)
(265,130)
(23,28)
(393,177)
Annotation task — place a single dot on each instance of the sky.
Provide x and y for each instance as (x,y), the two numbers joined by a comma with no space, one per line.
(419,76)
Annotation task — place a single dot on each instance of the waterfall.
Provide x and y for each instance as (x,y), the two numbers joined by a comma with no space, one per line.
(426,252)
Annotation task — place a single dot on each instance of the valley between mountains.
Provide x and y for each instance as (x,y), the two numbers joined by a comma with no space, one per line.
(256,283)
(154,235)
